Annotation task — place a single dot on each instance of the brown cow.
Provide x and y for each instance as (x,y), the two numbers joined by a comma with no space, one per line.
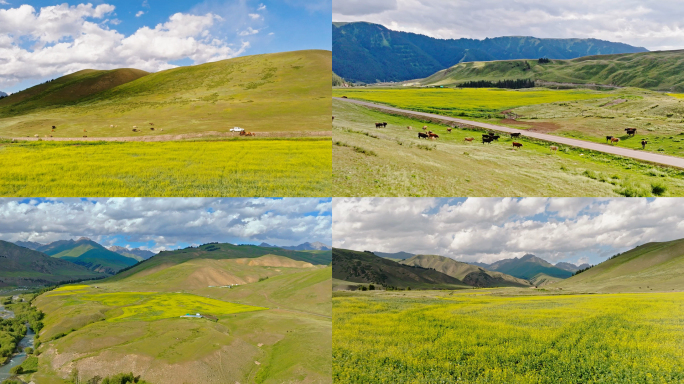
(422,135)
(448,130)
(553,148)
(631,131)
(151,123)
(643,144)
(469,139)
(614,140)
(433,135)
(517,145)
(85,130)
(85,136)
(409,127)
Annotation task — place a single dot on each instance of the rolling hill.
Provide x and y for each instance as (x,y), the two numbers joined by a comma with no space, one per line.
(210,264)
(89,254)
(366,267)
(660,71)
(135,253)
(278,92)
(646,268)
(20,266)
(526,267)
(366,52)
(469,274)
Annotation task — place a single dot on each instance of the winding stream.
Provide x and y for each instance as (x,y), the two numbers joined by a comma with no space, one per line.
(17,358)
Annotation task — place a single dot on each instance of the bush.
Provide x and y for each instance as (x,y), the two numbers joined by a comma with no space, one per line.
(28,350)
(363,288)
(18,370)
(658,188)
(371,287)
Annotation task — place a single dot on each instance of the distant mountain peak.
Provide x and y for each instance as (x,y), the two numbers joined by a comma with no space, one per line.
(83,239)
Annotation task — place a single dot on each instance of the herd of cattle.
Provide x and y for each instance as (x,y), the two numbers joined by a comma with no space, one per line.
(491,136)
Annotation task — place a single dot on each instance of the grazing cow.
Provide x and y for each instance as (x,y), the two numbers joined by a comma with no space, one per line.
(53,127)
(53,130)
(495,137)
(468,139)
(422,135)
(242,133)
(378,125)
(425,127)
(609,138)
(486,139)
(448,130)
(516,145)
(85,136)
(433,135)
(111,126)
(161,129)
(35,136)
(344,97)
(553,148)
(643,144)
(151,128)
(515,134)
(409,127)
(151,123)
(631,131)
(85,130)
(614,140)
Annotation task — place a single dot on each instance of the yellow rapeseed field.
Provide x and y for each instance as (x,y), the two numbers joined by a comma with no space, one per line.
(475,337)
(263,167)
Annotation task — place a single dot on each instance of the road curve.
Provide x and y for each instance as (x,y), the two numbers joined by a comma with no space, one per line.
(655,158)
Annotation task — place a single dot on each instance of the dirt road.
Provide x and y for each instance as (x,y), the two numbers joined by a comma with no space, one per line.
(655,158)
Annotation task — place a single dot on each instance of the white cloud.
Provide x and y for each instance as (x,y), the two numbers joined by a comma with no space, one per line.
(140,13)
(64,39)
(255,16)
(168,221)
(651,24)
(484,229)
(262,7)
(249,31)
(3,2)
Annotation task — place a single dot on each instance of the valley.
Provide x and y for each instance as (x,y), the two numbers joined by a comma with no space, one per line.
(257,307)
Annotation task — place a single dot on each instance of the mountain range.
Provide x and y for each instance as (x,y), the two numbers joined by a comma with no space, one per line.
(2,94)
(527,267)
(369,53)
(135,253)
(89,254)
(20,266)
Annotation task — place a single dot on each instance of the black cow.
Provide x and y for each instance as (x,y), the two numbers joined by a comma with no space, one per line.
(422,135)
(516,134)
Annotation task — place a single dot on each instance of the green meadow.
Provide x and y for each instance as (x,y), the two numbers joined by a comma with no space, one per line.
(238,167)
(507,336)
(392,161)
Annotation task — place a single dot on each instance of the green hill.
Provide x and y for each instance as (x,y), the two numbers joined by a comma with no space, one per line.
(336,80)
(527,267)
(20,266)
(369,53)
(469,274)
(366,267)
(89,254)
(662,71)
(543,279)
(276,92)
(649,267)
(180,271)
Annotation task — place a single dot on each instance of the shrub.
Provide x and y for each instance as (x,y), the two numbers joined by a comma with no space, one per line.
(371,287)
(28,350)
(658,188)
(18,370)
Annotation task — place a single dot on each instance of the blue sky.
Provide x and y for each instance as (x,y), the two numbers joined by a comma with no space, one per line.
(575,230)
(41,40)
(168,223)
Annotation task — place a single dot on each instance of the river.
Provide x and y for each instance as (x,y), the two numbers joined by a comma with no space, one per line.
(17,358)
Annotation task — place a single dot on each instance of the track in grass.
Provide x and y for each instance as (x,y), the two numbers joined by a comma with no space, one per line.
(263,167)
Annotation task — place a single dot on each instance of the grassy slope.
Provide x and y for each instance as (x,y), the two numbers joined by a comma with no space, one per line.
(264,93)
(194,168)
(22,266)
(291,340)
(488,336)
(652,70)
(362,267)
(650,267)
(468,273)
(401,167)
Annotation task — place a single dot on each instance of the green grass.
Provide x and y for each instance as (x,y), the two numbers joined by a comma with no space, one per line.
(478,337)
(651,70)
(480,103)
(260,167)
(286,91)
(403,167)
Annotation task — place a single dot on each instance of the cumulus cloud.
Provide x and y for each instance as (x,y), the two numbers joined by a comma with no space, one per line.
(249,31)
(656,25)
(491,229)
(62,39)
(140,13)
(167,222)
(262,7)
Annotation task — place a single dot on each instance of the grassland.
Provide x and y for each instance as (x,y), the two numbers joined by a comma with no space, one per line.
(507,336)
(277,92)
(275,326)
(273,167)
(660,71)
(393,162)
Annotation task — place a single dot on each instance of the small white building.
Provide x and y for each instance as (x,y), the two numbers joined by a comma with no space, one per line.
(195,316)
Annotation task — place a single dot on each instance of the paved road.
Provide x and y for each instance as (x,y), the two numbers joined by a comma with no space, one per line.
(670,161)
